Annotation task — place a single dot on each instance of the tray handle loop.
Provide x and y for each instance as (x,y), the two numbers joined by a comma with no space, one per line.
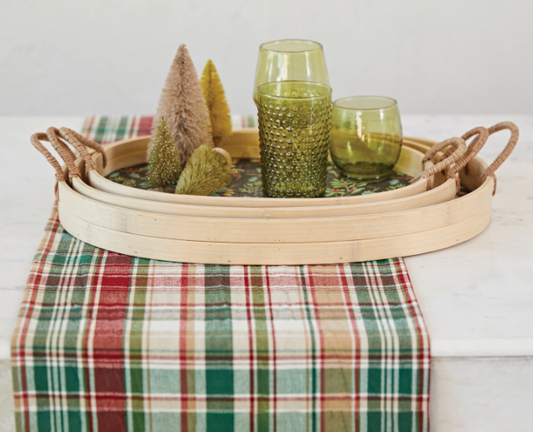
(79,142)
(477,144)
(505,152)
(63,150)
(54,137)
(481,135)
(456,148)
(36,139)
(68,136)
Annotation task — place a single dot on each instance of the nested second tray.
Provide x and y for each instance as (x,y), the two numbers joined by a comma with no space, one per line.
(132,152)
(241,144)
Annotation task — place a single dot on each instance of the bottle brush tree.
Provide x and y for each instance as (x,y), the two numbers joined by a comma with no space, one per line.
(217,105)
(207,171)
(183,106)
(164,166)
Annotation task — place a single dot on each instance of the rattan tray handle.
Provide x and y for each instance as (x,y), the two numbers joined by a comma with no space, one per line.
(80,147)
(59,139)
(62,149)
(477,144)
(455,150)
(81,143)
(68,156)
(36,139)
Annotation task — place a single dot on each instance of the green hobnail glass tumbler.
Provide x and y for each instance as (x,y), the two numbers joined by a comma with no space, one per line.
(290,60)
(294,128)
(366,136)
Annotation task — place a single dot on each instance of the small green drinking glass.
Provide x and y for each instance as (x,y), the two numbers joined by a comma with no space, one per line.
(294,128)
(366,136)
(290,60)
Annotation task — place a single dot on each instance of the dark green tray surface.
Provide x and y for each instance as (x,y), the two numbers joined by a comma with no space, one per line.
(247,181)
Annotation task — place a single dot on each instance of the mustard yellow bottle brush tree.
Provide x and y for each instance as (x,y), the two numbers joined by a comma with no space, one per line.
(215,98)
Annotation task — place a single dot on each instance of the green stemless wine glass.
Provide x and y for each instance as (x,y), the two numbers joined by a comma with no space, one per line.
(366,136)
(290,60)
(294,127)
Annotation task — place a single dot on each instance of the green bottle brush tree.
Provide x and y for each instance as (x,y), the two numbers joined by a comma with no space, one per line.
(164,166)
(207,172)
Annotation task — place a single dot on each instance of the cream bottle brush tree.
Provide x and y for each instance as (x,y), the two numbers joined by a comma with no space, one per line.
(183,106)
(217,105)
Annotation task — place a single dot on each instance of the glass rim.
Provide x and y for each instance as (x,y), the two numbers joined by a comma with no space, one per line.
(392,103)
(317,45)
(293,97)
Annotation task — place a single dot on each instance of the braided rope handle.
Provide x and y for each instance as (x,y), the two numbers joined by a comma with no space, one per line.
(61,148)
(81,144)
(508,149)
(36,139)
(480,141)
(456,149)
(68,136)
(68,156)
(481,135)
(60,138)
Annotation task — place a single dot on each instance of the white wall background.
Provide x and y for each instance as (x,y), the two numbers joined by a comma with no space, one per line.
(112,56)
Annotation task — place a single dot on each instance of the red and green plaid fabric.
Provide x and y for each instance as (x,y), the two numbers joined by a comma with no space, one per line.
(109,342)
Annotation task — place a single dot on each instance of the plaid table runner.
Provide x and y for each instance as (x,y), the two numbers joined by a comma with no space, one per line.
(110,342)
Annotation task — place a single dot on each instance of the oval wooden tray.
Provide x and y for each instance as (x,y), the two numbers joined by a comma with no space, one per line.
(444,192)
(262,241)
(276,254)
(260,231)
(264,230)
(134,151)
(283,240)
(118,156)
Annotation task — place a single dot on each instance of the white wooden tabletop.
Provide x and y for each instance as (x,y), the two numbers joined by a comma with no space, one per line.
(476,298)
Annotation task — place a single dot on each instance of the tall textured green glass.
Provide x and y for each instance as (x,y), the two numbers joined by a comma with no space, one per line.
(290,60)
(294,129)
(366,136)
